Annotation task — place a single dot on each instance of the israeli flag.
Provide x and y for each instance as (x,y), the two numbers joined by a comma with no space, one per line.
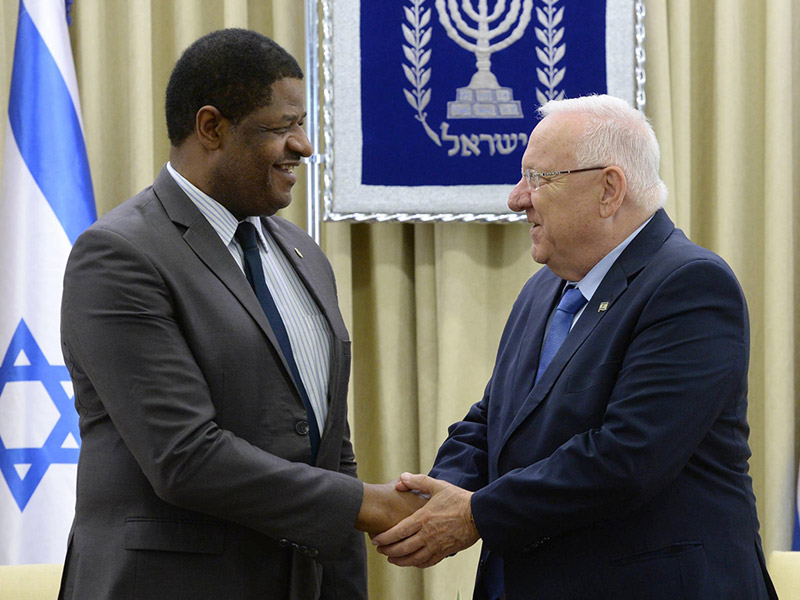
(796,534)
(46,201)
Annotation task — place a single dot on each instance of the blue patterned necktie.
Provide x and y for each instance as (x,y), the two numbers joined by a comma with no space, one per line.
(571,302)
(254,270)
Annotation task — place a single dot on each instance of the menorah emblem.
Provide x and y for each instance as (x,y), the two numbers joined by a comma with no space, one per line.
(484,97)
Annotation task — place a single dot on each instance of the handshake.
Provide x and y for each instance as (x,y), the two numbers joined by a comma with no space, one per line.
(417,520)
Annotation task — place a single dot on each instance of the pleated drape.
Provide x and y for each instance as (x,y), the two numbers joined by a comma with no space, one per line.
(426,303)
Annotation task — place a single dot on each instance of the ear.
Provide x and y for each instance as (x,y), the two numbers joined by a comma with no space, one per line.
(210,127)
(615,186)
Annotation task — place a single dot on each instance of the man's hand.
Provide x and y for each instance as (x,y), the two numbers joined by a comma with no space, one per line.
(441,528)
(383,506)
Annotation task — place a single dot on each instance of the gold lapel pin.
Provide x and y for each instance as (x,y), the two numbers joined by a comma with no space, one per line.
(300,254)
(603,307)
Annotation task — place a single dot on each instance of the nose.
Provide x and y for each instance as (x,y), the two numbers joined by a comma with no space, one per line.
(520,197)
(300,143)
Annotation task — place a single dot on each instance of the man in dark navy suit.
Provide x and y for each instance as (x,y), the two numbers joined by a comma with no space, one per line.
(608,456)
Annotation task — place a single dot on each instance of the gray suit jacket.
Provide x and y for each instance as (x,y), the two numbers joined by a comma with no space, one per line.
(194,478)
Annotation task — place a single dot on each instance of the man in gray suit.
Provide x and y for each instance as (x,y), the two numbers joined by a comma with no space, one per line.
(210,363)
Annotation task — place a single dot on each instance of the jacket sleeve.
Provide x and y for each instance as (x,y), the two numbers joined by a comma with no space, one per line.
(345,577)
(463,457)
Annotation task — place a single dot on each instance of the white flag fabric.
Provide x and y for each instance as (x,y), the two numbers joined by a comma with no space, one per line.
(46,201)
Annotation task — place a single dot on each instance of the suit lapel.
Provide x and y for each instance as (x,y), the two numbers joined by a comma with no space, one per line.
(611,288)
(206,244)
(322,294)
(577,336)
(635,257)
(546,297)
(646,244)
(325,297)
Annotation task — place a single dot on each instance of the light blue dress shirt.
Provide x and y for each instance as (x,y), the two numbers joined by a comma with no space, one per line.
(591,281)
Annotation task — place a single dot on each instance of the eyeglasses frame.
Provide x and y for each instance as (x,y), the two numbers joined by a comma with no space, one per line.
(531,175)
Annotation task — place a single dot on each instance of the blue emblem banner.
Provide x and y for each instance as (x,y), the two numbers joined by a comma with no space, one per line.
(473,121)
(434,100)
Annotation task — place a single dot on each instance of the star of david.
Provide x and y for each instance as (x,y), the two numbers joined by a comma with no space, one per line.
(24,468)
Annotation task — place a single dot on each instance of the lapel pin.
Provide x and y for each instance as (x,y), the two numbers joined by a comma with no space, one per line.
(603,307)
(300,254)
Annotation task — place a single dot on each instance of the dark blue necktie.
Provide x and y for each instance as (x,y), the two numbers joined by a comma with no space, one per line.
(571,302)
(254,270)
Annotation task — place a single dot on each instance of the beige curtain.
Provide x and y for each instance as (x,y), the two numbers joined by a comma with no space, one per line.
(426,303)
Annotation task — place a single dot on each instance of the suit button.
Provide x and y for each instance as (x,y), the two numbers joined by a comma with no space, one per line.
(283,543)
(303,550)
(313,552)
(301,427)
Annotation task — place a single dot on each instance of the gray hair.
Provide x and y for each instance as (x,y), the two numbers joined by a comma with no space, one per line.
(617,134)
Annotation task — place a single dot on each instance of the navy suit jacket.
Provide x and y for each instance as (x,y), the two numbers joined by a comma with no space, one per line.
(622,473)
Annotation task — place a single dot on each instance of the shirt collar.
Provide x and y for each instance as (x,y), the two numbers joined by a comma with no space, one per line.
(591,281)
(220,218)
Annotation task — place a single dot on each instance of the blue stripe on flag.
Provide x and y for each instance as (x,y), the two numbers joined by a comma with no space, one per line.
(796,533)
(47,130)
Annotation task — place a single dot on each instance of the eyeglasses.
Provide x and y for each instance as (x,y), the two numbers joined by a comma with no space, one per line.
(536,180)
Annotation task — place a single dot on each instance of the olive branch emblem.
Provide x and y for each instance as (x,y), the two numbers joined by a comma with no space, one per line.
(551,53)
(418,76)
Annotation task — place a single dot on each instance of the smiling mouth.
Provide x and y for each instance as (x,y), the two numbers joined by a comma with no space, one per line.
(286,168)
